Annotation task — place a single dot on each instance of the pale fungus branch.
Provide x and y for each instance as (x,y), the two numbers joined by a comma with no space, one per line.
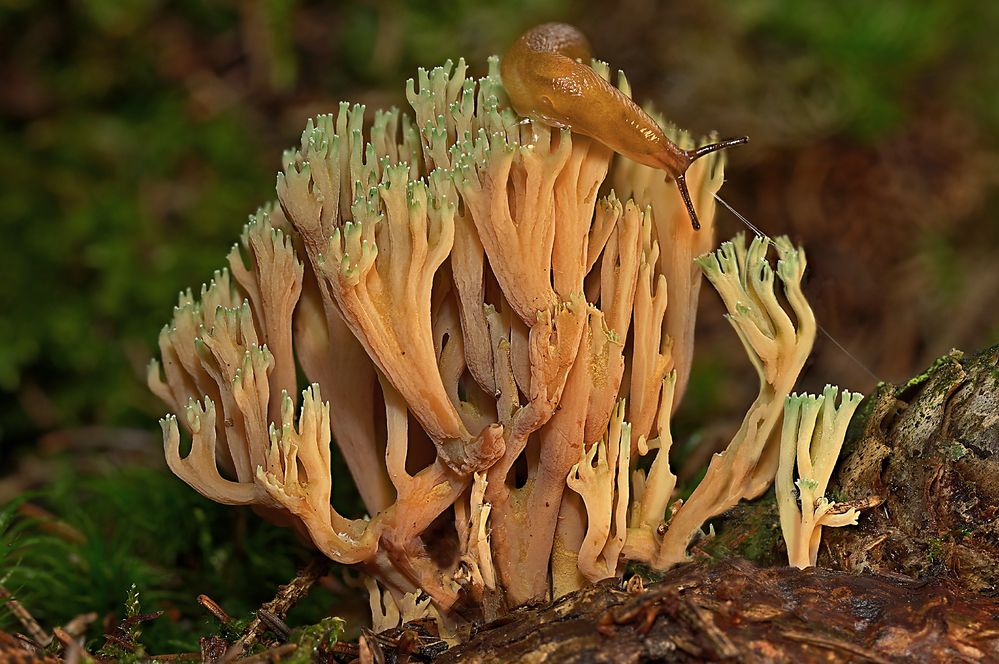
(652,490)
(297,477)
(473,534)
(811,438)
(273,287)
(679,243)
(518,238)
(777,348)
(199,468)
(601,478)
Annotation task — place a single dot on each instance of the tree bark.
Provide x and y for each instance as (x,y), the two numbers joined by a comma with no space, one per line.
(929,450)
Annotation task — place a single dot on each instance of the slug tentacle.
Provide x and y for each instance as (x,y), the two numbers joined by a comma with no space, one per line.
(547,76)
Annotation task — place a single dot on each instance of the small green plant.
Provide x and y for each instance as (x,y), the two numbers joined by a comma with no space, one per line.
(315,641)
(957,451)
(123,643)
(935,551)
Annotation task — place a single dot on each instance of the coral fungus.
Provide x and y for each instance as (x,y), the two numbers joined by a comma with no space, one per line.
(501,339)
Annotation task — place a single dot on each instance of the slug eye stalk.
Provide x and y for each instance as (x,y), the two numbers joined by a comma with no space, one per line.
(692,156)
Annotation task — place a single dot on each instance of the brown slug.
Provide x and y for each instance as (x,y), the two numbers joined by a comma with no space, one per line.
(547,75)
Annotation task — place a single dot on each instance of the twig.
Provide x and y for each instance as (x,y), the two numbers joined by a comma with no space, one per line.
(873,543)
(364,655)
(77,627)
(286,598)
(274,624)
(859,504)
(35,630)
(343,648)
(214,608)
(177,657)
(271,655)
(701,621)
(834,644)
(371,651)
(24,642)
(72,650)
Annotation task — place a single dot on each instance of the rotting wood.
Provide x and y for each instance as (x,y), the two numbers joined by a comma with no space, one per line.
(734,611)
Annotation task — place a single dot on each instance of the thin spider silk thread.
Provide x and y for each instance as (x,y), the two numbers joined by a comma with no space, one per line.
(759,233)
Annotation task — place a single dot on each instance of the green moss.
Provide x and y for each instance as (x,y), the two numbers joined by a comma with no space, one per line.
(956,451)
(963,532)
(315,640)
(648,574)
(148,529)
(922,378)
(937,548)
(868,55)
(123,643)
(750,530)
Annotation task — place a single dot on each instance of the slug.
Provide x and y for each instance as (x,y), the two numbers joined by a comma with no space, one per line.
(547,76)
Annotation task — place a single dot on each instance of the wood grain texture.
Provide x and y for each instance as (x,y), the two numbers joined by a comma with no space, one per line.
(734,611)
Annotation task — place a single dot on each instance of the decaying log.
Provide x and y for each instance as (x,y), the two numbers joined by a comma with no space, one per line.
(734,611)
(930,450)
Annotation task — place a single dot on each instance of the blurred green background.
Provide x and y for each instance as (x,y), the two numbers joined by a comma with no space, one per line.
(136,136)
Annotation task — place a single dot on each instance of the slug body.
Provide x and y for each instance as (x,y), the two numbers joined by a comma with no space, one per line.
(547,76)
